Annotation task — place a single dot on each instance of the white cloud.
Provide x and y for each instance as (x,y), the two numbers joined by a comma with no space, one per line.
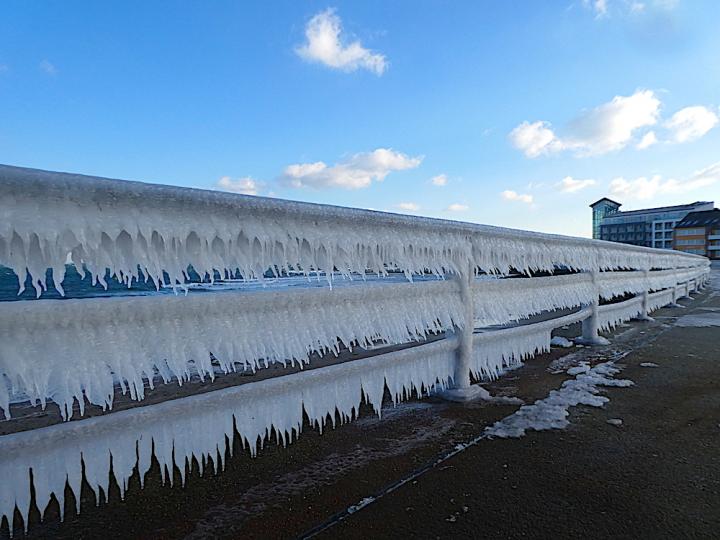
(510,195)
(245,185)
(608,127)
(408,206)
(644,188)
(48,68)
(571,185)
(535,139)
(325,46)
(611,125)
(637,7)
(439,180)
(647,141)
(691,123)
(357,172)
(457,207)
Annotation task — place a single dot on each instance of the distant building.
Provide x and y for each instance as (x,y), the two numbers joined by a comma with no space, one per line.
(699,233)
(652,227)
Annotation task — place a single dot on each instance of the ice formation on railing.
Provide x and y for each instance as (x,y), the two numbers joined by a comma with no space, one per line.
(496,350)
(196,426)
(65,350)
(659,299)
(611,315)
(141,230)
(503,300)
(174,337)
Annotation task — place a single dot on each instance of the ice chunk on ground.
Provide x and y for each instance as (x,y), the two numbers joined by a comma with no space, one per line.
(559,341)
(584,367)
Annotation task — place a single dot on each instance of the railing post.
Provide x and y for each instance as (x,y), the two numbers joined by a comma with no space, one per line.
(591,325)
(462,390)
(686,290)
(644,316)
(674,303)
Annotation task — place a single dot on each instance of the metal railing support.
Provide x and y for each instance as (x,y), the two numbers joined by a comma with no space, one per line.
(462,390)
(591,325)
(674,303)
(645,315)
(686,290)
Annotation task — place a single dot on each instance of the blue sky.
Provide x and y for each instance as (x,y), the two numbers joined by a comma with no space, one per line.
(523,113)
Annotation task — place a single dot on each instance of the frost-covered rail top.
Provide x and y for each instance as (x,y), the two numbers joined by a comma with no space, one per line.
(137,229)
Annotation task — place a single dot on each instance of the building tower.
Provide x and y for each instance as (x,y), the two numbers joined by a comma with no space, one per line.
(600,209)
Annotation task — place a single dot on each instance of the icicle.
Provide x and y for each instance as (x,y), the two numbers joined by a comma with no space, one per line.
(197,426)
(120,225)
(89,345)
(610,315)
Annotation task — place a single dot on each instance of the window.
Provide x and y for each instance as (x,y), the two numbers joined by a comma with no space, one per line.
(690,232)
(691,242)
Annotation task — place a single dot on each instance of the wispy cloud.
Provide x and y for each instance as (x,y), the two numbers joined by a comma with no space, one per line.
(245,185)
(599,7)
(572,185)
(647,141)
(48,67)
(510,195)
(691,123)
(644,188)
(458,207)
(439,180)
(359,171)
(325,45)
(602,8)
(408,206)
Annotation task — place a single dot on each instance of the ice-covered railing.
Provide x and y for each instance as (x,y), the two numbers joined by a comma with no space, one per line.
(75,352)
(148,231)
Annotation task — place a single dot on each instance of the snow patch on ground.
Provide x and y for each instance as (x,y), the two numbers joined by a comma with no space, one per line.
(615,422)
(552,412)
(559,365)
(584,367)
(559,341)
(648,364)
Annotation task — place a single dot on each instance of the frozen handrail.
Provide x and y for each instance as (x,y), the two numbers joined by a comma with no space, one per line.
(172,338)
(123,226)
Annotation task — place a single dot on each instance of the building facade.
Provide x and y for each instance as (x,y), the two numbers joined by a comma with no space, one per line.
(651,227)
(699,233)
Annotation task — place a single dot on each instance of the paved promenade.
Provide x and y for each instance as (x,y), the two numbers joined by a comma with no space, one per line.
(657,475)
